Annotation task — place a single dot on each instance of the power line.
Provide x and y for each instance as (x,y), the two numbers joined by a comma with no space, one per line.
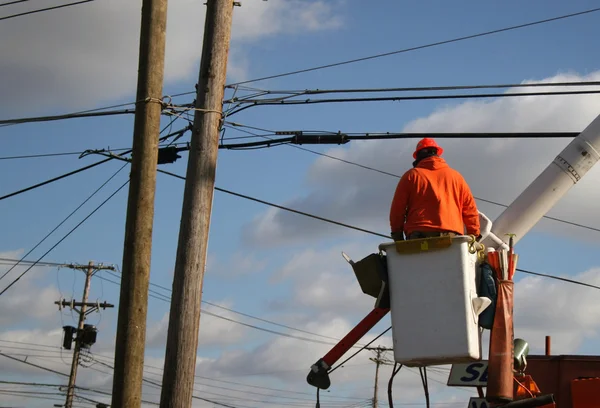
(300,92)
(160,387)
(304,137)
(35,156)
(589,285)
(58,226)
(110,157)
(52,180)
(44,9)
(370,136)
(420,47)
(159,296)
(267,102)
(76,115)
(65,236)
(153,367)
(12,2)
(344,225)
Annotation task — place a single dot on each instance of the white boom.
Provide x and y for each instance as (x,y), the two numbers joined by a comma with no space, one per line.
(548,188)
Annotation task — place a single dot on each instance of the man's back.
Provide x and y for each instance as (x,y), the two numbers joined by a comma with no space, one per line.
(433,197)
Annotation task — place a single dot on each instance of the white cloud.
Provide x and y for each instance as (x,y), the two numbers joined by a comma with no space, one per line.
(238,264)
(569,314)
(324,283)
(16,301)
(498,170)
(87,54)
(213,330)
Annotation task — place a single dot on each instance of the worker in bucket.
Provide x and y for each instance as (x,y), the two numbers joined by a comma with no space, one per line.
(432,199)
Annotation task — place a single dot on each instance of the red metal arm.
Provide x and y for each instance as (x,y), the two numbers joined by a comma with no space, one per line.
(318,375)
(354,335)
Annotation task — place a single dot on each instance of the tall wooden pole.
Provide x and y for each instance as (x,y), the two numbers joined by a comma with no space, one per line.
(377,361)
(77,350)
(133,302)
(184,319)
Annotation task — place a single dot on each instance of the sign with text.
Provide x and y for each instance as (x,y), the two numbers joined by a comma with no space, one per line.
(469,375)
(475,402)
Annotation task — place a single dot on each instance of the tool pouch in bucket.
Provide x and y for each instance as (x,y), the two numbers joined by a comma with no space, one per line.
(501,354)
(487,288)
(371,273)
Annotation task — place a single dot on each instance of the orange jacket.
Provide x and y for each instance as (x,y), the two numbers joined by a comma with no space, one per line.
(433,197)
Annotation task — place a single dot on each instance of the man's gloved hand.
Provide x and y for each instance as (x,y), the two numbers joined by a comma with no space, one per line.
(397,236)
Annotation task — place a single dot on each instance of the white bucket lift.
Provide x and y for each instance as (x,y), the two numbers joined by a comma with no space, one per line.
(433,300)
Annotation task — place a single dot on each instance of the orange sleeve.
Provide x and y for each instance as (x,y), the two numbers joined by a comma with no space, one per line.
(470,214)
(399,203)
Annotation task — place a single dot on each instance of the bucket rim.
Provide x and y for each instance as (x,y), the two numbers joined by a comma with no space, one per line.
(386,245)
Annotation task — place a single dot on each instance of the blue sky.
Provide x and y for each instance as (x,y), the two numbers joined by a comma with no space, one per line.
(55,65)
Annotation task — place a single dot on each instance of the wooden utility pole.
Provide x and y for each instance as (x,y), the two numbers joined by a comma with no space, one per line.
(83,311)
(378,361)
(184,319)
(133,301)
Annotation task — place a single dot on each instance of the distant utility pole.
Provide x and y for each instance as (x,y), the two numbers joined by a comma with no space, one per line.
(86,334)
(379,351)
(133,300)
(184,319)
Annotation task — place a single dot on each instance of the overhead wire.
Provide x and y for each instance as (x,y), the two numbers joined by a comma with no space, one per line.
(66,236)
(79,153)
(44,9)
(573,134)
(336,222)
(420,47)
(81,169)
(259,102)
(61,223)
(300,92)
(12,2)
(75,115)
(165,298)
(52,180)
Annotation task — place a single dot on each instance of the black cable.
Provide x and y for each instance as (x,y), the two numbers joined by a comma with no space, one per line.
(267,321)
(589,285)
(423,373)
(282,207)
(359,350)
(345,138)
(179,132)
(13,2)
(64,237)
(159,296)
(420,47)
(418,135)
(318,404)
(43,183)
(24,261)
(423,88)
(33,156)
(44,9)
(62,222)
(357,228)
(160,386)
(87,114)
(120,149)
(390,382)
(258,102)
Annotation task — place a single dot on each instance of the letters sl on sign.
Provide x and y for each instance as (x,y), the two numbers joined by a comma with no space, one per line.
(475,402)
(469,375)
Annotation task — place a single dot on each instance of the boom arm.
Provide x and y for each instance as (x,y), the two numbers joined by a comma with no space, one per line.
(549,187)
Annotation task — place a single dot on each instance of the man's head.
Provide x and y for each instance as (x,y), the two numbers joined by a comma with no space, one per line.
(427,147)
